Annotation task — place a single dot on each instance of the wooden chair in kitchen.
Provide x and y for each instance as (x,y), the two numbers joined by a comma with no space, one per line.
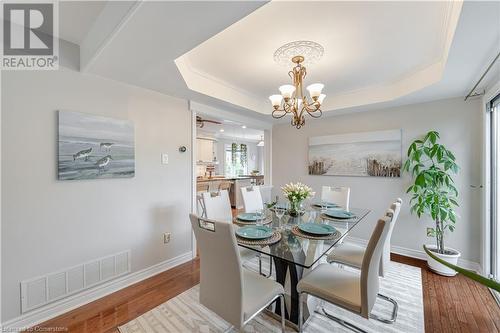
(225,186)
(200,204)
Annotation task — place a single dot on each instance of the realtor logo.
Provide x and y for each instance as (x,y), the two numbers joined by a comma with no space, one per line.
(28,36)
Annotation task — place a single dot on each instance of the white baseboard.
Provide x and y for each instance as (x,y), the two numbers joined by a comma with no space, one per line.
(55,309)
(419,254)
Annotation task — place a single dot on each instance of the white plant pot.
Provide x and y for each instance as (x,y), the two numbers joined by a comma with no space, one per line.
(451,256)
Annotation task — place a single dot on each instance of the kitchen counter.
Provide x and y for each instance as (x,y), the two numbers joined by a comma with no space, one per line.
(237,183)
(214,179)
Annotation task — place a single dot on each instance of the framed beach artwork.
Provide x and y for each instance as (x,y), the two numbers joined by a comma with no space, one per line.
(92,147)
(376,154)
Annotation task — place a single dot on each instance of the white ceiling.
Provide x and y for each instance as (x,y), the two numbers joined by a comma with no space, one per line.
(370,48)
(376,53)
(232,130)
(77,17)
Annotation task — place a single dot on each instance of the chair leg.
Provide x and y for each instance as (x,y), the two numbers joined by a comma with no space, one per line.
(229,329)
(270,266)
(301,312)
(260,263)
(394,310)
(342,322)
(282,306)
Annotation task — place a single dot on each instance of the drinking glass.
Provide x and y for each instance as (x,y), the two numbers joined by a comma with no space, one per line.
(260,217)
(280,212)
(312,216)
(324,206)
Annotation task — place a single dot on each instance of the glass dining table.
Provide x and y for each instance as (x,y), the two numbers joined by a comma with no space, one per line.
(294,254)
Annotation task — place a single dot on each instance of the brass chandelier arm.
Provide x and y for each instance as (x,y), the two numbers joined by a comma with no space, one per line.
(316,113)
(276,115)
(294,101)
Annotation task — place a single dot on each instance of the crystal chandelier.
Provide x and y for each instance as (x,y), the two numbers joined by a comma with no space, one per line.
(292,99)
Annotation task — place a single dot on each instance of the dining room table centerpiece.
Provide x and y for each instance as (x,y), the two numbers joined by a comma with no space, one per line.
(296,193)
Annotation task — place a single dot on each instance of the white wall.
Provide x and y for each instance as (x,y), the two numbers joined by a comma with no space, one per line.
(460,126)
(48,225)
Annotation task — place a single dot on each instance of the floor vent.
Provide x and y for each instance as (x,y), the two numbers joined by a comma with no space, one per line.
(42,290)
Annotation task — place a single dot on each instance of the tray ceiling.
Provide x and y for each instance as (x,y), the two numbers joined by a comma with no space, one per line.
(374,51)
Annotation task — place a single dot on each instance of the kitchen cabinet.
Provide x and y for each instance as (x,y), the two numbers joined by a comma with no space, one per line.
(205,150)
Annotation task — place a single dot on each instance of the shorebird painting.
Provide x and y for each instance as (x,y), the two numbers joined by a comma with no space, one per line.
(82,154)
(103,162)
(106,146)
(94,147)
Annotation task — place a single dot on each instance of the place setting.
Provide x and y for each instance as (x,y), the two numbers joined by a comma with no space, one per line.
(313,230)
(337,214)
(253,218)
(256,235)
(323,205)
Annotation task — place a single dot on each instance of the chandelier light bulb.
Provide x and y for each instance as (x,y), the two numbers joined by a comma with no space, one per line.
(275,100)
(287,91)
(315,90)
(321,98)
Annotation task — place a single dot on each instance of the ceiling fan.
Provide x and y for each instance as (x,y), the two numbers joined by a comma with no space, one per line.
(200,122)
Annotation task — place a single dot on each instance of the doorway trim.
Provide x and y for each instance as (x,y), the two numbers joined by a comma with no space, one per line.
(196,108)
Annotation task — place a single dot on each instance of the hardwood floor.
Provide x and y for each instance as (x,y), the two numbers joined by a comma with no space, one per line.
(450,304)
(455,304)
(106,314)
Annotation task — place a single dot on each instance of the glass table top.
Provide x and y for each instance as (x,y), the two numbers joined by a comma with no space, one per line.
(302,251)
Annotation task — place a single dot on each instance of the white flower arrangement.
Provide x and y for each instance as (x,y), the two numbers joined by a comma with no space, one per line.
(297,192)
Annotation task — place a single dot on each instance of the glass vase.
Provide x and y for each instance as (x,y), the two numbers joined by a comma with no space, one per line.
(295,208)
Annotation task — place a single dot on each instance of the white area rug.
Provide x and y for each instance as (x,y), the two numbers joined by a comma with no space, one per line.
(184,313)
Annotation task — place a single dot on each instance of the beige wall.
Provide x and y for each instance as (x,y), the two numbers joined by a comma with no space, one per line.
(48,225)
(460,126)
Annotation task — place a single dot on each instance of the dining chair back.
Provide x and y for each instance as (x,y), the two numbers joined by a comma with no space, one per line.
(252,199)
(371,260)
(336,195)
(217,206)
(266,193)
(218,248)
(386,253)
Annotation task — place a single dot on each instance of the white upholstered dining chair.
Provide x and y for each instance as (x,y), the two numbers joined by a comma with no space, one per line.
(351,290)
(218,207)
(352,255)
(252,199)
(237,295)
(336,195)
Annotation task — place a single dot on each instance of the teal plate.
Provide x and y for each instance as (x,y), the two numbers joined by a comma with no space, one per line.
(328,205)
(254,232)
(339,214)
(317,229)
(248,216)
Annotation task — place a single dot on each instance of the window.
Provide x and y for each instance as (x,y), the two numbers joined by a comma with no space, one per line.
(235,159)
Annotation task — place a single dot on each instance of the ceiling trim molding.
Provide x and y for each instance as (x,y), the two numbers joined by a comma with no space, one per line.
(109,23)
(230,115)
(418,79)
(201,82)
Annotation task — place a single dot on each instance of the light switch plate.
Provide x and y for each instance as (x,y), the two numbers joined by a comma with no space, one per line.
(164,158)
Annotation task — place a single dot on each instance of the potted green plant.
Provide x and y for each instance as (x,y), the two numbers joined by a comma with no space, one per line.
(434,194)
